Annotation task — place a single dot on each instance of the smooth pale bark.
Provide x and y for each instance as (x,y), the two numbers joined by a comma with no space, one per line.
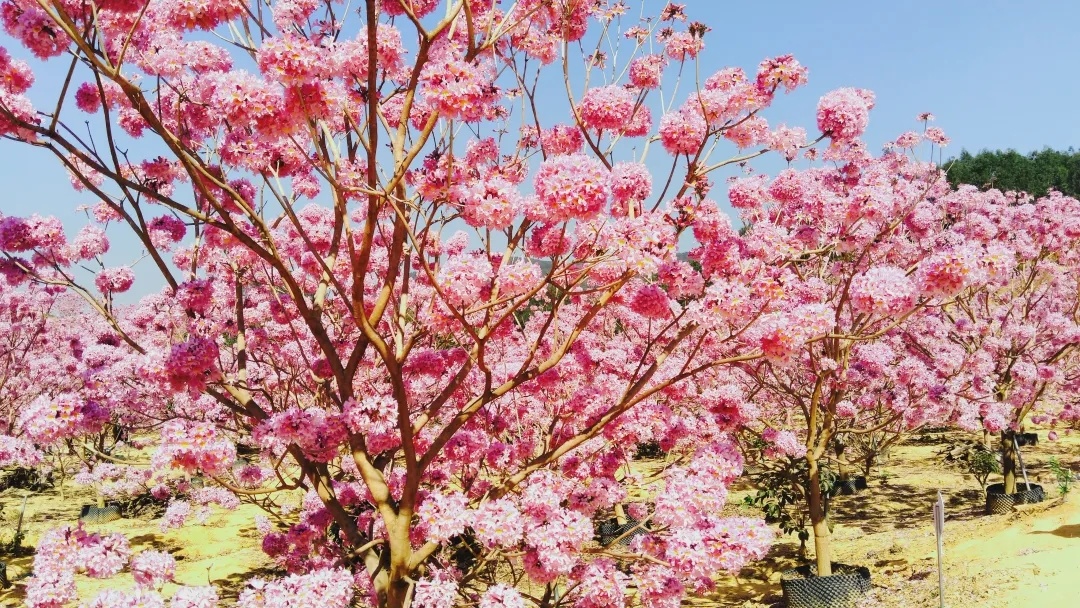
(1008,461)
(819,520)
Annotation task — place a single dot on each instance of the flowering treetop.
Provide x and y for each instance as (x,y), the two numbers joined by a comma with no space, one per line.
(440,304)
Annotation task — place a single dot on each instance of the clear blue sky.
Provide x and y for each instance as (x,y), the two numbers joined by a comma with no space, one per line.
(996,74)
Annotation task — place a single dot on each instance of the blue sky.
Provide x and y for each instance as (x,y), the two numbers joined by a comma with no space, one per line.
(996,74)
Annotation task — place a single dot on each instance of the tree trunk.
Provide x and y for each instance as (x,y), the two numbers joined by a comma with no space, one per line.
(1008,460)
(819,520)
(399,550)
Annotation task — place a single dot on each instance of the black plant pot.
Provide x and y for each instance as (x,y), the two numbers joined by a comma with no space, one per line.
(998,502)
(612,529)
(1027,438)
(4,582)
(851,486)
(803,588)
(649,450)
(98,515)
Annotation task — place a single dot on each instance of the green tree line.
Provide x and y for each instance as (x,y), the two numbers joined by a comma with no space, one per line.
(1034,173)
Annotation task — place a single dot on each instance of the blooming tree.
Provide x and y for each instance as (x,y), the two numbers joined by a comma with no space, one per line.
(442,302)
(861,256)
(60,369)
(1013,345)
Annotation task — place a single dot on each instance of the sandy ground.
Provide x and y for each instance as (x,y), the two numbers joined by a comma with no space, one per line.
(1027,558)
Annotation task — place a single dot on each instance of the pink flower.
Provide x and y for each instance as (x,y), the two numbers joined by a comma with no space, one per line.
(501,596)
(499,523)
(192,364)
(646,71)
(465,280)
(518,278)
(152,569)
(631,183)
(194,597)
(751,132)
(323,587)
(844,113)
(175,514)
(437,591)
(491,202)
(908,140)
(418,8)
(682,132)
(651,302)
(787,141)
(945,274)
(783,71)
(139,598)
(444,515)
(572,186)
(561,139)
(937,136)
(883,290)
(784,442)
(607,107)
(89,244)
(1052,436)
(681,45)
(166,229)
(747,192)
(114,280)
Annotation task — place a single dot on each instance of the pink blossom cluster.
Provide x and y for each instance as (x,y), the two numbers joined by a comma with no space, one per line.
(944,274)
(607,108)
(49,420)
(194,447)
(194,597)
(844,113)
(114,280)
(682,132)
(114,481)
(62,552)
(501,596)
(140,597)
(631,184)
(437,591)
(318,432)
(781,336)
(883,290)
(18,452)
(460,89)
(175,514)
(35,232)
(329,587)
(192,364)
(152,569)
(571,186)
(783,443)
(89,243)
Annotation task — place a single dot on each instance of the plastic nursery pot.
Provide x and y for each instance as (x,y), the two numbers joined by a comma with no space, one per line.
(611,530)
(98,515)
(1027,438)
(851,486)
(998,502)
(4,582)
(803,588)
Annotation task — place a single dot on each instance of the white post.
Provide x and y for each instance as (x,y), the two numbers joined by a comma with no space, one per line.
(1016,446)
(939,531)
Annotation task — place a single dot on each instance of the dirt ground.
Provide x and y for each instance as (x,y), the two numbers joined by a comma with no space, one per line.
(1026,558)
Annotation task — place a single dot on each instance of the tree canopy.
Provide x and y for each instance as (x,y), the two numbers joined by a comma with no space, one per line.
(1034,173)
